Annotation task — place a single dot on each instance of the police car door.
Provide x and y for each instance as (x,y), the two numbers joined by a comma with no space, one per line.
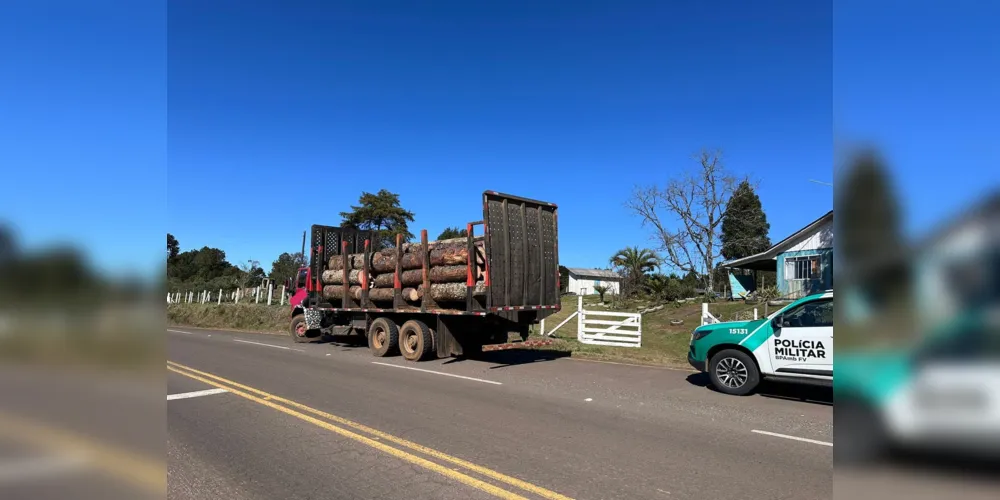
(802,344)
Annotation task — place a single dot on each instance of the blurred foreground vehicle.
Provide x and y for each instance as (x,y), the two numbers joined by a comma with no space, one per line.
(937,391)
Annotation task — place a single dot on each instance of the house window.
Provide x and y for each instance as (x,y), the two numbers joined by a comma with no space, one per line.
(802,268)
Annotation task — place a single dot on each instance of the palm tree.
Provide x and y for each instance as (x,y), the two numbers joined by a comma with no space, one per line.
(601,290)
(635,263)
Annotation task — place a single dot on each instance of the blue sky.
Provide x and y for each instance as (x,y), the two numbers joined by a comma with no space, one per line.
(239,124)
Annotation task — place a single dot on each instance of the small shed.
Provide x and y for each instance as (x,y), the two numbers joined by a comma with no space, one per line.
(803,261)
(582,281)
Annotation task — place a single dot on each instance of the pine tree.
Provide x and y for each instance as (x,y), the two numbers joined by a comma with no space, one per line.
(744,224)
(868,219)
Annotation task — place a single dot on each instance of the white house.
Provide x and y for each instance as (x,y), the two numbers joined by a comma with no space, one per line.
(582,281)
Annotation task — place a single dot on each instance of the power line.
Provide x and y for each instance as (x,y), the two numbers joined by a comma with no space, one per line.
(821,182)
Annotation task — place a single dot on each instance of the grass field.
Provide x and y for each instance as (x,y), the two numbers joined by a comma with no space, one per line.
(662,343)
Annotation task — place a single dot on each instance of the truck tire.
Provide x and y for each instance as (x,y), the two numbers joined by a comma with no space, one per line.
(298,330)
(416,341)
(383,337)
(733,372)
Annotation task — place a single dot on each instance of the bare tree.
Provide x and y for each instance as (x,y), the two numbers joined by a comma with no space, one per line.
(246,273)
(696,202)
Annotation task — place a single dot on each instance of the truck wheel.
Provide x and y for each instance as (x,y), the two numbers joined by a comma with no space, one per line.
(416,341)
(383,337)
(299,332)
(733,372)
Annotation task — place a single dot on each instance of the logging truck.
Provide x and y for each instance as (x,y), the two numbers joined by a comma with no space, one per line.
(455,297)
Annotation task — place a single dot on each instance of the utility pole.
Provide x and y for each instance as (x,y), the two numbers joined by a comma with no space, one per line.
(303,244)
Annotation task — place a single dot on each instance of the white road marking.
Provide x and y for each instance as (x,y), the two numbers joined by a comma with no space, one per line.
(39,467)
(785,436)
(269,345)
(195,394)
(180,331)
(438,373)
(589,399)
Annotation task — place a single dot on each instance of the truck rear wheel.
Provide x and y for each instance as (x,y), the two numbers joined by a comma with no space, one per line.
(299,331)
(416,341)
(383,337)
(733,372)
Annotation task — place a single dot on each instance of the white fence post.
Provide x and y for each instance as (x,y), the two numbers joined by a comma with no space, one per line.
(270,291)
(541,325)
(755,313)
(283,294)
(579,317)
(236,298)
(707,317)
(256,296)
(220,296)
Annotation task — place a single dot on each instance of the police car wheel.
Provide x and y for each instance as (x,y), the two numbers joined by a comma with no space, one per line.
(861,438)
(733,372)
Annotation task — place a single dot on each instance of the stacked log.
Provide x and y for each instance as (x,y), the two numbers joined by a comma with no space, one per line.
(336,277)
(337,291)
(440,255)
(447,271)
(452,292)
(415,247)
(355,260)
(437,274)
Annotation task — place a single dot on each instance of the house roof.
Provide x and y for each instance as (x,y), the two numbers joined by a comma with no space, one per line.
(772,253)
(593,273)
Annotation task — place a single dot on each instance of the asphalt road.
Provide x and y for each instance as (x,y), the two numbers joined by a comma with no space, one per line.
(331,421)
(81,433)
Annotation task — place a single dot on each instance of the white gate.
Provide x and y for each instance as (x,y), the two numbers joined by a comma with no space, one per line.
(619,329)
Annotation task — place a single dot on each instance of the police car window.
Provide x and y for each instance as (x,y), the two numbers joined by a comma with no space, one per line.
(818,313)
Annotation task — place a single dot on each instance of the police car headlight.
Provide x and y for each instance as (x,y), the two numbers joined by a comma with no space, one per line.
(699,334)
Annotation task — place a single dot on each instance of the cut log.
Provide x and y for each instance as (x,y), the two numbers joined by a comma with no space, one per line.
(413,247)
(378,294)
(356,261)
(451,255)
(337,291)
(414,277)
(383,263)
(336,277)
(411,294)
(453,292)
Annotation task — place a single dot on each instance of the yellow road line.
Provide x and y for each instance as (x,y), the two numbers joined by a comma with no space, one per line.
(492,474)
(400,454)
(140,471)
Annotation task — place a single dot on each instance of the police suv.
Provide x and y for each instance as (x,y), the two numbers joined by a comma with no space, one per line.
(793,344)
